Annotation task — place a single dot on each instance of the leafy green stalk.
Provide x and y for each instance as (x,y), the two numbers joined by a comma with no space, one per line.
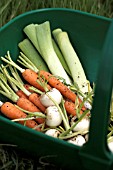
(23,60)
(72,127)
(16,80)
(24,119)
(64,110)
(82,104)
(35,90)
(38,114)
(74,134)
(15,74)
(7,75)
(6,89)
(66,123)
(110,134)
(9,61)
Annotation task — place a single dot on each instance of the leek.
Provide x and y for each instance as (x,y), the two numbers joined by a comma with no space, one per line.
(31,34)
(29,50)
(44,38)
(30,31)
(72,60)
(60,56)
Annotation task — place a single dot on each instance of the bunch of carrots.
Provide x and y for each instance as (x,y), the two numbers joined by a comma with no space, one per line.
(25,105)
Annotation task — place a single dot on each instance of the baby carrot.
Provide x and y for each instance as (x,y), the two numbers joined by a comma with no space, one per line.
(27,86)
(31,77)
(28,74)
(20,93)
(54,82)
(23,99)
(35,98)
(38,103)
(70,108)
(12,112)
(29,106)
(24,103)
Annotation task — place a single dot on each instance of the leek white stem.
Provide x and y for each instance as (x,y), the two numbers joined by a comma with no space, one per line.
(73,61)
(60,56)
(30,31)
(32,54)
(46,47)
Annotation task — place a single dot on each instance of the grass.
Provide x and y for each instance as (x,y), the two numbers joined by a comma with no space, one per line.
(10,157)
(13,159)
(9,9)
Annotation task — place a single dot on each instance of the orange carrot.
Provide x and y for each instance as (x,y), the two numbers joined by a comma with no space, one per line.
(54,82)
(29,106)
(35,98)
(31,77)
(27,86)
(70,108)
(20,93)
(83,108)
(12,112)
(65,91)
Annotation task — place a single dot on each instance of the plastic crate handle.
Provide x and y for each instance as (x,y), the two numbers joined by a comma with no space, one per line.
(95,153)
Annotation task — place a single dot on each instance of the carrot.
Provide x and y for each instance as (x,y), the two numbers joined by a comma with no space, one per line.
(70,108)
(22,102)
(21,97)
(54,82)
(29,106)
(31,77)
(20,93)
(35,98)
(12,112)
(27,86)
(83,107)
(65,91)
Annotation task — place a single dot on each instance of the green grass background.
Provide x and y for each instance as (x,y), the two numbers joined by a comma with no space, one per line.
(11,8)
(10,157)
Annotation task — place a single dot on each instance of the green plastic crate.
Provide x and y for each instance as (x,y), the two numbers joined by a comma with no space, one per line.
(92,37)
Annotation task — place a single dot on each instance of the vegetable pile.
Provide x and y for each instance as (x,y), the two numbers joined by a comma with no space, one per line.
(47,88)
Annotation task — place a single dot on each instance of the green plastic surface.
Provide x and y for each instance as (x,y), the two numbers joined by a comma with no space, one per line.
(92,39)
